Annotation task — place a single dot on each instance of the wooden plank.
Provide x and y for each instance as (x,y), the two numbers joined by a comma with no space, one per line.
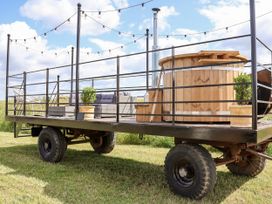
(216,61)
(187,95)
(156,98)
(167,94)
(180,91)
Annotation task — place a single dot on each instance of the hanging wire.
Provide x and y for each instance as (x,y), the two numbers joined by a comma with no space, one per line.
(110,28)
(44,34)
(116,48)
(119,9)
(212,31)
(42,52)
(121,33)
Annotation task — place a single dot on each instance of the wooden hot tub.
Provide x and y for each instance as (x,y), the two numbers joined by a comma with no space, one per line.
(216,74)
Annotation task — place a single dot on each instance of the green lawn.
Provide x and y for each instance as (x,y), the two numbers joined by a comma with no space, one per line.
(130,174)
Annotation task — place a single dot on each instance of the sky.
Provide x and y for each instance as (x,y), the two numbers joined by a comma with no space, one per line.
(26,19)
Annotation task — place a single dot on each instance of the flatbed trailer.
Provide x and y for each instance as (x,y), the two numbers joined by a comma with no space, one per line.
(189,168)
(202,133)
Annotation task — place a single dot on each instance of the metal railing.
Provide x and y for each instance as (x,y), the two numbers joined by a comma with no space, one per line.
(143,87)
(130,75)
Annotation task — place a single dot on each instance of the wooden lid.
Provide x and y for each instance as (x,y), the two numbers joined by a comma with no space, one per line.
(210,57)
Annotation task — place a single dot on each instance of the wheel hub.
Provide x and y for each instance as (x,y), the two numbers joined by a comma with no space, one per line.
(97,142)
(47,146)
(184,174)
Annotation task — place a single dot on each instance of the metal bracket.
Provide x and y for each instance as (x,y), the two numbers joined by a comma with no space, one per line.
(259,154)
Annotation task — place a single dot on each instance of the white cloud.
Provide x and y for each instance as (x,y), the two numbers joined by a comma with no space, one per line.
(204,1)
(163,18)
(52,12)
(103,44)
(120,3)
(164,14)
(23,60)
(228,12)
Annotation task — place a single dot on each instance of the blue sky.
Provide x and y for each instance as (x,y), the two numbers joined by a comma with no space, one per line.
(188,17)
(27,18)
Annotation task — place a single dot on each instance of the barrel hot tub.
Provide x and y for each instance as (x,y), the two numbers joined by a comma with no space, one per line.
(201,75)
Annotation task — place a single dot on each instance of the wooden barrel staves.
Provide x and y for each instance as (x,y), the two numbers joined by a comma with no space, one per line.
(210,68)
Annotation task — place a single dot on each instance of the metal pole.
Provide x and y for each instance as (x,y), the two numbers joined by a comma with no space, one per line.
(14,123)
(24,107)
(58,90)
(254,65)
(173,87)
(147,59)
(77,58)
(271,64)
(117,88)
(7,73)
(72,76)
(47,93)
(155,47)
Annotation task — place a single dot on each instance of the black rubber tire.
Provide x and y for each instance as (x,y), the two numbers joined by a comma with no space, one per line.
(190,171)
(103,144)
(251,165)
(51,145)
(65,144)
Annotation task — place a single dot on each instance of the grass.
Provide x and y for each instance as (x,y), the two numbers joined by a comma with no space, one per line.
(154,141)
(5,126)
(130,174)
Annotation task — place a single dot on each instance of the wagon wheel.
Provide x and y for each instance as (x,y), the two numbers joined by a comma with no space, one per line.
(51,145)
(190,171)
(249,165)
(103,144)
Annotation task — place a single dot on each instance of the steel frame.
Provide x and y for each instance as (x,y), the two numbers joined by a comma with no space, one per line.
(186,132)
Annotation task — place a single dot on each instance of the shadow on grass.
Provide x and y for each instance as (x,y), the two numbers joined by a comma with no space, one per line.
(85,177)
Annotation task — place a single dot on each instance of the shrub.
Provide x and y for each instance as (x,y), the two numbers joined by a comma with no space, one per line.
(154,141)
(88,95)
(243,88)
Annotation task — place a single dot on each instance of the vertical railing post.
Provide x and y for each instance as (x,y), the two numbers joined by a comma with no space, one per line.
(271,64)
(72,77)
(24,87)
(77,58)
(117,89)
(92,83)
(147,59)
(173,87)
(47,93)
(58,90)
(155,54)
(7,74)
(254,65)
(15,113)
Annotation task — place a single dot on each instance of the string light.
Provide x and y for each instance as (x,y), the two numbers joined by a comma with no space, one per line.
(42,52)
(110,50)
(211,31)
(110,28)
(119,33)
(45,33)
(88,53)
(119,10)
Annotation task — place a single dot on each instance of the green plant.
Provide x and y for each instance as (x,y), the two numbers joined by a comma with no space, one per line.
(243,88)
(88,95)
